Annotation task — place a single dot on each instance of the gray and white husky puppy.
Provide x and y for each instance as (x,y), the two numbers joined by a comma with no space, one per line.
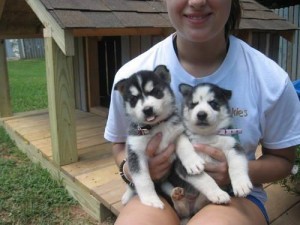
(150,105)
(207,120)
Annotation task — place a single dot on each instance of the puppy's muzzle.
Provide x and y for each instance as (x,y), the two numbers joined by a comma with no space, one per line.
(202,116)
(148,111)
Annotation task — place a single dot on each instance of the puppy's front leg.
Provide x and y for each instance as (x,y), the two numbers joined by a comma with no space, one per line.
(238,170)
(138,166)
(185,151)
(208,187)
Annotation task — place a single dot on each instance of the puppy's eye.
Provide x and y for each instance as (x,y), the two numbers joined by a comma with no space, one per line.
(193,104)
(214,104)
(157,92)
(133,100)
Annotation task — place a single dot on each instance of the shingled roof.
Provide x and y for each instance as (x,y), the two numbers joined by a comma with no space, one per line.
(17,18)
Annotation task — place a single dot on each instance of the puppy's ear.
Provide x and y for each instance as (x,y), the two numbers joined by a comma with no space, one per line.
(226,93)
(163,72)
(185,89)
(120,86)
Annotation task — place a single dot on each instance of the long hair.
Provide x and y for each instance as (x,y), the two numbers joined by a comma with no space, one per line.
(234,18)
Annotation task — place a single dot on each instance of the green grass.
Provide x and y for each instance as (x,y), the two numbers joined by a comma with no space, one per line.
(28,89)
(28,194)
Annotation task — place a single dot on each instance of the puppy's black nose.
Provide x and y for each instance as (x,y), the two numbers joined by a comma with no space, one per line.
(202,115)
(148,111)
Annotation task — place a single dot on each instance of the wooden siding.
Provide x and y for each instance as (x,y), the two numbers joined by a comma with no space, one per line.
(289,55)
(107,55)
(5,103)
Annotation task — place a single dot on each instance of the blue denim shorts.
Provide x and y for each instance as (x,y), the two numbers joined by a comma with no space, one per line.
(260,205)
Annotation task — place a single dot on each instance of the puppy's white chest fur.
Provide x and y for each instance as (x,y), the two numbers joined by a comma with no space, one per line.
(169,131)
(224,143)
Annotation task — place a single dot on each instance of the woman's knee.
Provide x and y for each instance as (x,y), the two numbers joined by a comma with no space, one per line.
(136,213)
(239,211)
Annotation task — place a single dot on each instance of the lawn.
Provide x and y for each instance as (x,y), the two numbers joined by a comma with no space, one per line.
(28,194)
(27,79)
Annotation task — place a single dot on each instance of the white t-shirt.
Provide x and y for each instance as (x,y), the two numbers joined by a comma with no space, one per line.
(264,103)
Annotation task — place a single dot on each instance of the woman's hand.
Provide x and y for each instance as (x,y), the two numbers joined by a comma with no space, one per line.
(159,164)
(219,170)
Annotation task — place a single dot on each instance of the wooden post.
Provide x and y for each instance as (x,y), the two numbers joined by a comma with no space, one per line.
(92,72)
(5,104)
(61,103)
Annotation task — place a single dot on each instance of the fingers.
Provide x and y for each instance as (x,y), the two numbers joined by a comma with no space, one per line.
(153,144)
(217,170)
(159,165)
(211,151)
(165,155)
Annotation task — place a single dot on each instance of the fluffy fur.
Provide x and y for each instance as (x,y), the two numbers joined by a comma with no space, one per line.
(205,113)
(150,105)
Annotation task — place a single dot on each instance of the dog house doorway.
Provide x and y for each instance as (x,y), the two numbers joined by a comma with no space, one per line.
(109,59)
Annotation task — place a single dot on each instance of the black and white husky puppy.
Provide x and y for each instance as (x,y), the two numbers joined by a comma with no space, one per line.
(207,120)
(150,105)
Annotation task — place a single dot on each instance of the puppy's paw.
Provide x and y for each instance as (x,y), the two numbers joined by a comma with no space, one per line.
(177,193)
(218,197)
(242,188)
(153,201)
(193,165)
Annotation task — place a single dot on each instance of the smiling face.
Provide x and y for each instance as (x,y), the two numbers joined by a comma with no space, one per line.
(199,20)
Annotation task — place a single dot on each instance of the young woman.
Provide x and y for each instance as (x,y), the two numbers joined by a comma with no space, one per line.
(264,105)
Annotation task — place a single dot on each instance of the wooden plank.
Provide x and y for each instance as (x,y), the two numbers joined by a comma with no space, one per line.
(116,208)
(89,203)
(263,15)
(135,46)
(279,201)
(79,76)
(121,31)
(44,145)
(290,45)
(37,133)
(94,140)
(61,100)
(63,38)
(291,217)
(99,177)
(5,103)
(89,132)
(2,3)
(295,66)
(91,151)
(110,193)
(100,111)
(89,122)
(88,165)
(146,43)
(26,121)
(26,114)
(92,72)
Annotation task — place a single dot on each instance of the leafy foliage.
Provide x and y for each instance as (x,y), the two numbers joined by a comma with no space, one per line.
(292,182)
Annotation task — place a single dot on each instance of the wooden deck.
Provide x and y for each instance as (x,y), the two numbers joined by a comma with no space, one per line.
(94,180)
